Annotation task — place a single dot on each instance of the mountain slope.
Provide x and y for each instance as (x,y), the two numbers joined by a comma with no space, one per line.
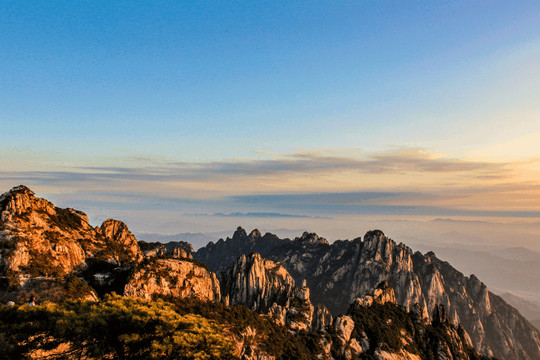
(507,269)
(267,288)
(41,245)
(338,273)
(528,309)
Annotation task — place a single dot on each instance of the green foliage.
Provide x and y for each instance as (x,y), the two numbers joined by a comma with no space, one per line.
(9,280)
(76,288)
(302,308)
(273,339)
(65,219)
(116,327)
(154,268)
(386,325)
(146,246)
(40,264)
(382,324)
(198,263)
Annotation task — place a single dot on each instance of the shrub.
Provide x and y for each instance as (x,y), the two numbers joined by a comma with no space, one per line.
(116,327)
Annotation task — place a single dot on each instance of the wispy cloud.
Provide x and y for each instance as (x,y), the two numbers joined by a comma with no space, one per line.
(411,182)
(260,215)
(398,162)
(378,163)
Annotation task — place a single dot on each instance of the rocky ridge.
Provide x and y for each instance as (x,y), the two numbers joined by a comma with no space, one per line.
(340,272)
(40,239)
(376,327)
(401,334)
(173,249)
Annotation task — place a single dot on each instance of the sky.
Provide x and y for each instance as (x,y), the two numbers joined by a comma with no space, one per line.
(199,116)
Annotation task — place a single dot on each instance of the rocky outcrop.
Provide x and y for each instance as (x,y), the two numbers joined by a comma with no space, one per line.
(383,294)
(173,277)
(42,244)
(119,236)
(221,255)
(344,326)
(51,250)
(38,239)
(321,318)
(340,272)
(172,249)
(376,327)
(267,288)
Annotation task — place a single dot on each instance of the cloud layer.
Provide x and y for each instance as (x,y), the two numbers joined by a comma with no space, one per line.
(402,182)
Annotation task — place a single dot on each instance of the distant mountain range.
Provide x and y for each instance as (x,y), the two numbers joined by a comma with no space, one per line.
(528,309)
(513,269)
(197,240)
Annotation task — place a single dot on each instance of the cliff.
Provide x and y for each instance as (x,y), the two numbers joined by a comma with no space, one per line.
(267,288)
(376,327)
(40,239)
(338,273)
(172,277)
(54,253)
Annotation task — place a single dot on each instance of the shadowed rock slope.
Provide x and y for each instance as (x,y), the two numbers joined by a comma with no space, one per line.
(340,272)
(375,327)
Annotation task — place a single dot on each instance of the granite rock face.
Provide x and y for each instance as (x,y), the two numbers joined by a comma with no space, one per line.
(376,327)
(173,277)
(383,294)
(48,252)
(267,288)
(119,235)
(299,283)
(38,239)
(340,272)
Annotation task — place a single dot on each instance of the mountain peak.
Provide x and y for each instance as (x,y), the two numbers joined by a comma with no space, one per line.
(118,232)
(312,238)
(374,234)
(20,202)
(239,234)
(255,233)
(21,189)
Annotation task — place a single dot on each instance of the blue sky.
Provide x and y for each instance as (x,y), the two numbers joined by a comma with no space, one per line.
(208,103)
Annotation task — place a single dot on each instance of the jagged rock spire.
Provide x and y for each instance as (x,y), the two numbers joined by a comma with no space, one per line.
(340,272)
(266,287)
(239,234)
(255,233)
(311,238)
